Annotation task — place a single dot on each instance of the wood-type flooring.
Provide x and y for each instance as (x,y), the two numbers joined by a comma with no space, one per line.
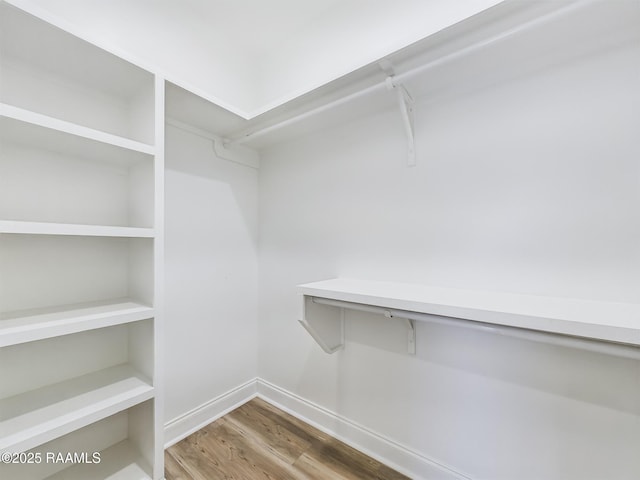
(258,441)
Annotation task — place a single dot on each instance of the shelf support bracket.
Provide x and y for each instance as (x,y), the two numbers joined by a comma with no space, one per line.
(324,322)
(406,105)
(411,332)
(411,337)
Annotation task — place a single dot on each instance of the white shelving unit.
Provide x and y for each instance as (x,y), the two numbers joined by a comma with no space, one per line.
(81,194)
(584,323)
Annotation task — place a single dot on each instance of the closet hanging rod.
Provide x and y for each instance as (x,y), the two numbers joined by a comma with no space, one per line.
(398,79)
(608,348)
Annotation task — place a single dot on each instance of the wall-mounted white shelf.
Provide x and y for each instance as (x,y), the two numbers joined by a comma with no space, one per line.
(38,416)
(45,271)
(47,228)
(37,324)
(530,316)
(119,462)
(18,123)
(81,176)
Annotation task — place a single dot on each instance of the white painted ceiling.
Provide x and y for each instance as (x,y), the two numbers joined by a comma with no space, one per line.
(251,56)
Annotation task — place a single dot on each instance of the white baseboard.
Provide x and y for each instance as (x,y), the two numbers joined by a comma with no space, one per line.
(383,449)
(192,421)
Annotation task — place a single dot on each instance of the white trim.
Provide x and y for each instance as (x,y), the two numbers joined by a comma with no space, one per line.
(193,420)
(158,277)
(377,446)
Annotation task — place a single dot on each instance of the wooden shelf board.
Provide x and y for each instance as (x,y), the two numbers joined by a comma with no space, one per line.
(606,321)
(37,324)
(52,133)
(47,228)
(33,418)
(122,461)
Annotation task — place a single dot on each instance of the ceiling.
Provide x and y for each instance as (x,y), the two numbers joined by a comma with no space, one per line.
(513,40)
(252,56)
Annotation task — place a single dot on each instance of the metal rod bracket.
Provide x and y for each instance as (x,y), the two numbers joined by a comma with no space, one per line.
(411,337)
(406,105)
(411,333)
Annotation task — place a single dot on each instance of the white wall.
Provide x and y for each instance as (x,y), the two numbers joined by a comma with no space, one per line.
(530,186)
(211,273)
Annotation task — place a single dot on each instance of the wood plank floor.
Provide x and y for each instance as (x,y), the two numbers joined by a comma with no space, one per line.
(260,441)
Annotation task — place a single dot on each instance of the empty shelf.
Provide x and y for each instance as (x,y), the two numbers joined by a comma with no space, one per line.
(593,320)
(18,122)
(29,325)
(33,418)
(119,462)
(44,228)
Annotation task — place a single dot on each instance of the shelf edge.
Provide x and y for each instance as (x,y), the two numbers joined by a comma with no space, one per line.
(43,432)
(52,123)
(72,229)
(47,328)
